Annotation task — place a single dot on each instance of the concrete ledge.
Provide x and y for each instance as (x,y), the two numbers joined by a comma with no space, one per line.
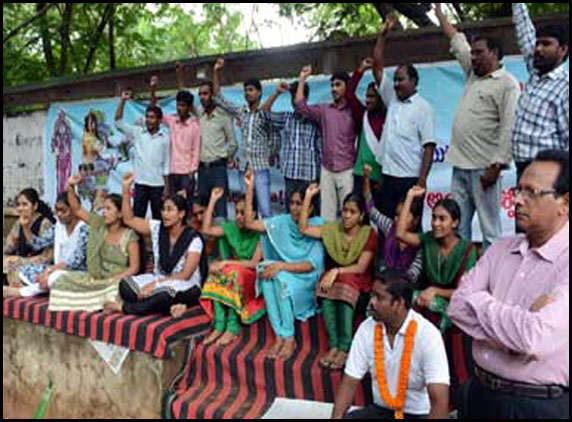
(84,386)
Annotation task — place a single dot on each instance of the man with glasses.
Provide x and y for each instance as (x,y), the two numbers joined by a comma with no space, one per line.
(515,305)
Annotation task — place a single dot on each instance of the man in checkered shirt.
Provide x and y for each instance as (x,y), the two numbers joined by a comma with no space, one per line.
(543,111)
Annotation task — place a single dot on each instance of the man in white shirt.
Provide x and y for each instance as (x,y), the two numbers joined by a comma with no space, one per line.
(408,135)
(427,393)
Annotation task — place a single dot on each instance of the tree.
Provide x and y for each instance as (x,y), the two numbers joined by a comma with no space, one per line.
(344,20)
(51,40)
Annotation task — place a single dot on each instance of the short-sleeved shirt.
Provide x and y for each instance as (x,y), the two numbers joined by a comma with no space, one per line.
(428,362)
(409,128)
(185,144)
(151,154)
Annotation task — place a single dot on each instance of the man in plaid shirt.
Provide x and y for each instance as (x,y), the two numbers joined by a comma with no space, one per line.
(260,148)
(543,111)
(301,141)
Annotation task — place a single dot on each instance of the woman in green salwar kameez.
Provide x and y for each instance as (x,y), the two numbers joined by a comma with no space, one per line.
(112,254)
(446,258)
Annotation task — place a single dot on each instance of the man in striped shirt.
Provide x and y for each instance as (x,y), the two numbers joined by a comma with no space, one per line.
(260,149)
(543,111)
(301,141)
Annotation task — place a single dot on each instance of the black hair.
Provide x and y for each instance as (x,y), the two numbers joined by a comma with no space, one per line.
(302,192)
(253,82)
(493,44)
(416,206)
(397,286)
(156,111)
(358,198)
(185,97)
(294,89)
(181,204)
(562,185)
(452,207)
(341,75)
(411,72)
(209,84)
(91,115)
(560,32)
(116,200)
(33,197)
(63,199)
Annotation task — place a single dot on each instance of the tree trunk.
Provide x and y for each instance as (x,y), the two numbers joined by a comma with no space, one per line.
(65,36)
(46,40)
(97,36)
(40,11)
(417,13)
(112,59)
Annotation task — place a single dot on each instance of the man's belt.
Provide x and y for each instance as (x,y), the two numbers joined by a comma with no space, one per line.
(494,383)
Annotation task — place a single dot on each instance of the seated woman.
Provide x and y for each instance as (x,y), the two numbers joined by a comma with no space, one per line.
(395,255)
(229,295)
(290,271)
(350,249)
(179,262)
(31,239)
(446,258)
(112,254)
(69,237)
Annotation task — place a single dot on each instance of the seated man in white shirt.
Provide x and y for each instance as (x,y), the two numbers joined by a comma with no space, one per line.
(418,391)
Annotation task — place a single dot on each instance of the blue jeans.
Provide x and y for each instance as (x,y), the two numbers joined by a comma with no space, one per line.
(468,191)
(262,192)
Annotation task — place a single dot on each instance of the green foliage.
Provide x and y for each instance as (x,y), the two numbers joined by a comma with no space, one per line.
(144,33)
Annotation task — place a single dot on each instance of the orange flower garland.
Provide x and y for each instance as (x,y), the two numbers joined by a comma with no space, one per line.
(396,404)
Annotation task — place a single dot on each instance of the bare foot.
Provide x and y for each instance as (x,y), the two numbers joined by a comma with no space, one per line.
(10,292)
(275,349)
(327,360)
(339,361)
(113,308)
(177,311)
(226,339)
(214,336)
(288,349)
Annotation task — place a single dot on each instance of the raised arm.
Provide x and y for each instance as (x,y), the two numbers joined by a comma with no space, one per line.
(75,205)
(403,235)
(379,50)
(300,103)
(282,88)
(180,72)
(153,84)
(383,223)
(125,96)
(310,231)
(525,33)
(219,65)
(140,225)
(446,26)
(356,106)
(208,229)
(251,223)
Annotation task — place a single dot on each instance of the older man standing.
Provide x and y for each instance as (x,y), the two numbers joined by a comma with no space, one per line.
(481,140)
(515,305)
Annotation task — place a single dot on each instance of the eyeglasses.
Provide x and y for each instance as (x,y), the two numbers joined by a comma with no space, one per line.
(530,194)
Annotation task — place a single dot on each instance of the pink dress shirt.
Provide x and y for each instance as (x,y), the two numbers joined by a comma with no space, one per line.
(493,303)
(185,144)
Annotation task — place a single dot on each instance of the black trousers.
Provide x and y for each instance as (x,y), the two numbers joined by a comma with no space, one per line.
(214,176)
(180,182)
(394,190)
(159,303)
(482,403)
(145,195)
(376,412)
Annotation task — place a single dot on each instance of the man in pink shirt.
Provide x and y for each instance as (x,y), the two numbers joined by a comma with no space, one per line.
(185,133)
(515,305)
